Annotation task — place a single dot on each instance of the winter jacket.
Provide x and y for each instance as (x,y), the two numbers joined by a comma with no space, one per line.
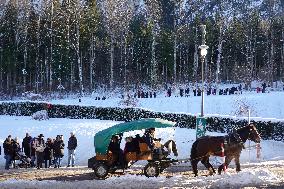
(130,147)
(149,139)
(48,151)
(72,143)
(32,143)
(26,142)
(58,147)
(114,147)
(8,147)
(16,149)
(39,145)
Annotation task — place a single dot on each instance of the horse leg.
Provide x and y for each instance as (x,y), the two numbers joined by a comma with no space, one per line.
(210,166)
(228,160)
(237,162)
(171,146)
(174,148)
(205,162)
(194,157)
(194,166)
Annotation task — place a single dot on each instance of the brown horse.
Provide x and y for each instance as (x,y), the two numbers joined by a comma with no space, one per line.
(231,145)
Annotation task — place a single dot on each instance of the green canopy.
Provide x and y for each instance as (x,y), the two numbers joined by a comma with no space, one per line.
(102,138)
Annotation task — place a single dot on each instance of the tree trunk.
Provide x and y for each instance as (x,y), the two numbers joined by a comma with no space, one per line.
(51,49)
(1,70)
(271,66)
(220,43)
(282,57)
(46,68)
(93,55)
(154,61)
(175,58)
(37,75)
(111,60)
(24,71)
(125,63)
(79,55)
(195,63)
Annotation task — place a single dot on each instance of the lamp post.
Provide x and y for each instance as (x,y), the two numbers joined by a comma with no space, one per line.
(203,52)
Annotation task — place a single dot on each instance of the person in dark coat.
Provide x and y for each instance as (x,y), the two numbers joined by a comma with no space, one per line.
(48,152)
(199,92)
(240,88)
(263,87)
(169,92)
(136,142)
(58,147)
(129,145)
(8,151)
(33,151)
(181,92)
(16,150)
(72,145)
(26,145)
(39,147)
(114,147)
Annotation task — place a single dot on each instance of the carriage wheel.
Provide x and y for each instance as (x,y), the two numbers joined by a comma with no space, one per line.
(101,170)
(151,170)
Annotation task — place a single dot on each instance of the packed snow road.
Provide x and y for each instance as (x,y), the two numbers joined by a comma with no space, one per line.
(259,175)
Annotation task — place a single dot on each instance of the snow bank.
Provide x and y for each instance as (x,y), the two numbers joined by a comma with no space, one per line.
(40,115)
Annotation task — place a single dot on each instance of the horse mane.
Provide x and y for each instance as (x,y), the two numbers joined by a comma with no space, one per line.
(245,127)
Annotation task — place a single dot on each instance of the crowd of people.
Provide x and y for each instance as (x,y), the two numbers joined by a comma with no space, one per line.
(35,151)
(196,91)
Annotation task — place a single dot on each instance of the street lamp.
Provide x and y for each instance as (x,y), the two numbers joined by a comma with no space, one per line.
(203,52)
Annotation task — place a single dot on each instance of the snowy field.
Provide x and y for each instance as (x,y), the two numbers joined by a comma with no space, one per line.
(263,106)
(254,171)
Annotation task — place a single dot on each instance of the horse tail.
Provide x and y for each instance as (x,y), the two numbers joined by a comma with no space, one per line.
(193,154)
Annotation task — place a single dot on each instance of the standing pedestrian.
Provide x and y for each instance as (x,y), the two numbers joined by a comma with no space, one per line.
(26,145)
(48,152)
(72,145)
(16,149)
(33,151)
(8,151)
(58,147)
(39,147)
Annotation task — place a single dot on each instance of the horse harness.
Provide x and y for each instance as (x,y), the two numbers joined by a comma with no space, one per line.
(232,140)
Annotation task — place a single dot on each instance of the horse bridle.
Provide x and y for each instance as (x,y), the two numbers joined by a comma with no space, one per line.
(250,132)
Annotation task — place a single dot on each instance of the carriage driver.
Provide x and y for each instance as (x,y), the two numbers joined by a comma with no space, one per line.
(149,138)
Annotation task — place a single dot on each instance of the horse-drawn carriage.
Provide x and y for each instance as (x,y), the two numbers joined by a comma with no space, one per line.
(230,145)
(107,162)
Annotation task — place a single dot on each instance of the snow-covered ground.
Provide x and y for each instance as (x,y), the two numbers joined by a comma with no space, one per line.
(272,152)
(255,172)
(247,178)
